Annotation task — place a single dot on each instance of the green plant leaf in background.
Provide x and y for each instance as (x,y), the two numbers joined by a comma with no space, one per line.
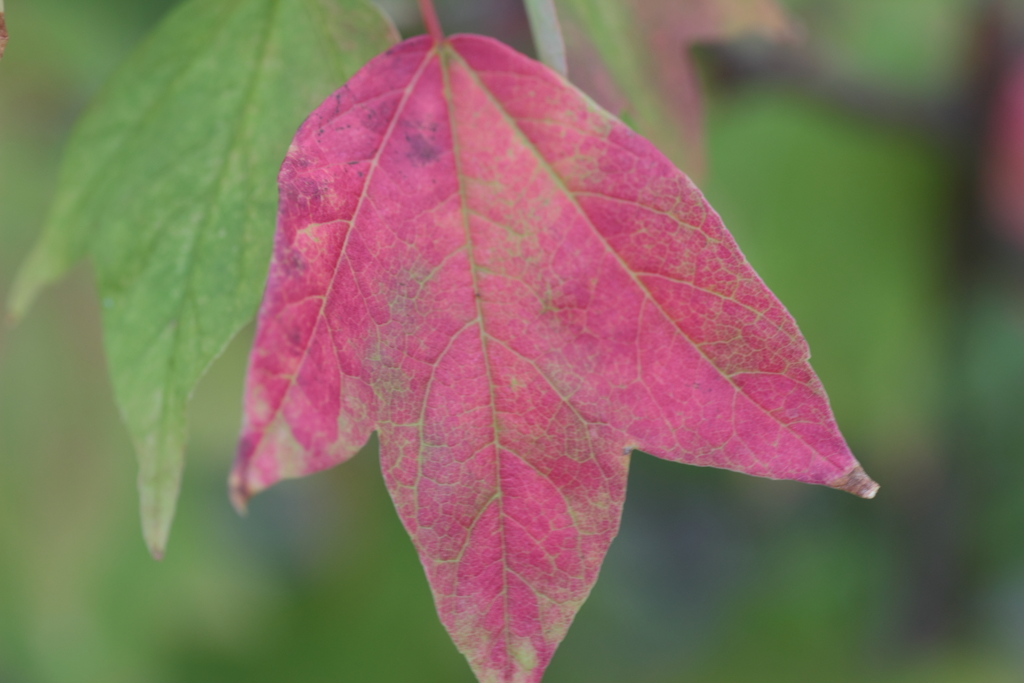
(631,57)
(169,184)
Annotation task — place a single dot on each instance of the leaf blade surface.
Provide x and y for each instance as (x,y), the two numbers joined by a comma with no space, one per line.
(515,290)
(168,185)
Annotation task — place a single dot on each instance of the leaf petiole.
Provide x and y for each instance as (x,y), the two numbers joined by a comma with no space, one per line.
(431,21)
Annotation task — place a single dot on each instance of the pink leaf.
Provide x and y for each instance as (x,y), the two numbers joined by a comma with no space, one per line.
(515,290)
(632,57)
(672,27)
(1003,170)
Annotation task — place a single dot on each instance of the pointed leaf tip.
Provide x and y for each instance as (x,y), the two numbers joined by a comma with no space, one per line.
(41,268)
(239,493)
(159,481)
(156,527)
(857,482)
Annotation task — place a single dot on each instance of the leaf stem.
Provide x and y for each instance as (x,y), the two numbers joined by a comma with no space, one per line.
(430,20)
(547,34)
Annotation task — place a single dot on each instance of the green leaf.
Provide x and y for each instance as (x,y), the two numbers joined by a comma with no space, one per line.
(547,34)
(169,184)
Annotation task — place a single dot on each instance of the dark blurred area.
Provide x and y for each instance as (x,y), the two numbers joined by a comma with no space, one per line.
(864,172)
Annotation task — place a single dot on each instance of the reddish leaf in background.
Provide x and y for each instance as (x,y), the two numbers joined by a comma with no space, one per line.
(667,29)
(1004,161)
(515,290)
(3,30)
(674,27)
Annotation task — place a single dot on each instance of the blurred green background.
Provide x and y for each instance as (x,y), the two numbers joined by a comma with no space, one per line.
(864,224)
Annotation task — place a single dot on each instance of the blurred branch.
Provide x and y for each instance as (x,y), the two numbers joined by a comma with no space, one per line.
(798,68)
(957,123)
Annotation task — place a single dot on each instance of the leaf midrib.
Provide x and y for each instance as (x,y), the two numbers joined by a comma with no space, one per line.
(485,337)
(499,494)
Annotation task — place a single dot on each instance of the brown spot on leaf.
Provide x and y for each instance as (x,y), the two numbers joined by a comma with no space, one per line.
(293,262)
(421,151)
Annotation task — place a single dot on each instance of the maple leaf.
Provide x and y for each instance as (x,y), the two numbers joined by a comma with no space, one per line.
(515,290)
(632,58)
